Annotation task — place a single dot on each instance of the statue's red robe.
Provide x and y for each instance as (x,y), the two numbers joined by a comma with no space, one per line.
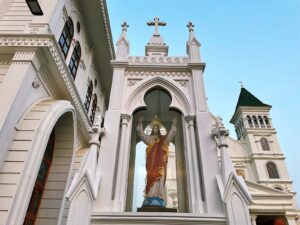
(157,159)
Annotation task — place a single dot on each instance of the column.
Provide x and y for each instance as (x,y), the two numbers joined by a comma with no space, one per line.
(122,171)
(195,175)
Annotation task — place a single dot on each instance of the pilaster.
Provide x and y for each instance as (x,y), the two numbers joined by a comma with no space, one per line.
(123,165)
(194,168)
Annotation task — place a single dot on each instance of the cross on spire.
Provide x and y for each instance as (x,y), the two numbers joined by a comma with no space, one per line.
(156,23)
(242,84)
(190,25)
(124,26)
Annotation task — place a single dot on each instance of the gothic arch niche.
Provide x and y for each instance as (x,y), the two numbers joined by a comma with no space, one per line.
(158,102)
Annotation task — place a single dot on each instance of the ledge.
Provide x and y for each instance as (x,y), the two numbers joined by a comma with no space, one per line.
(156,218)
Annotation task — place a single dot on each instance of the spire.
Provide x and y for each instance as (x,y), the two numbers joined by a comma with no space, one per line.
(248,99)
(156,46)
(192,45)
(123,43)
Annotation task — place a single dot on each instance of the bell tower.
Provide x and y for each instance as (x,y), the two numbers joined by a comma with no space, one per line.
(254,127)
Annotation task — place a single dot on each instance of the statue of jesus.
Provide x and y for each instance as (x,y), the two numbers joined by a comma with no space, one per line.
(156,161)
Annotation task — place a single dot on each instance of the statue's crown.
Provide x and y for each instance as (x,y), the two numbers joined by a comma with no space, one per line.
(156,121)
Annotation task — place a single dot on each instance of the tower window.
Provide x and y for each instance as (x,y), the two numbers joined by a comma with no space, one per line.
(272,170)
(265,144)
(261,122)
(267,122)
(255,121)
(88,97)
(74,62)
(93,110)
(66,37)
(249,121)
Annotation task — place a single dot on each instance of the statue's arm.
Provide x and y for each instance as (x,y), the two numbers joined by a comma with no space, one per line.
(172,132)
(144,137)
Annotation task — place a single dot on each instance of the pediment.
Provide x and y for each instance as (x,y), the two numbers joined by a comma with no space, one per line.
(261,190)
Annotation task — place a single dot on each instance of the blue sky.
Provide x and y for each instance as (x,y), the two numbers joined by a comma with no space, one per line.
(257,42)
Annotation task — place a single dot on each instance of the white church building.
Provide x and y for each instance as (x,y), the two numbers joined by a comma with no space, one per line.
(69,109)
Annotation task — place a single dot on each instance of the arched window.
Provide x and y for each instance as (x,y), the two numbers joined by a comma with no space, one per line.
(255,121)
(261,122)
(40,183)
(66,37)
(249,121)
(88,97)
(265,144)
(74,62)
(93,110)
(272,170)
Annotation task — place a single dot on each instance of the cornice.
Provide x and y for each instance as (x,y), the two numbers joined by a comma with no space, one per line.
(5,62)
(107,28)
(48,41)
(141,73)
(167,60)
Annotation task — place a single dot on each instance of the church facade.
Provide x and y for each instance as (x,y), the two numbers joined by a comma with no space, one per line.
(71,112)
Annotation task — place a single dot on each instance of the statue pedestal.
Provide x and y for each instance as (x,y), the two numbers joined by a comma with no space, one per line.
(155,209)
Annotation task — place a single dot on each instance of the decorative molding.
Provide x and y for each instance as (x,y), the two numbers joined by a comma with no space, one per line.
(39,28)
(125,117)
(157,60)
(65,14)
(132,81)
(107,28)
(183,83)
(49,42)
(157,73)
(190,120)
(5,62)
(82,64)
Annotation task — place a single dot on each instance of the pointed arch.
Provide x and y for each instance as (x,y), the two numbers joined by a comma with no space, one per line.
(179,99)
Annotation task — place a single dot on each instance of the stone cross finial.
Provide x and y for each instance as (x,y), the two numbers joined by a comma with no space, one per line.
(124,26)
(156,23)
(190,25)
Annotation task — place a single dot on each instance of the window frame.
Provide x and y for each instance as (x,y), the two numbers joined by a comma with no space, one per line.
(66,37)
(75,60)
(93,109)
(270,172)
(88,96)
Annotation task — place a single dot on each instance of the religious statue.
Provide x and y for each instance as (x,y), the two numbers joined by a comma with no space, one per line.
(156,161)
